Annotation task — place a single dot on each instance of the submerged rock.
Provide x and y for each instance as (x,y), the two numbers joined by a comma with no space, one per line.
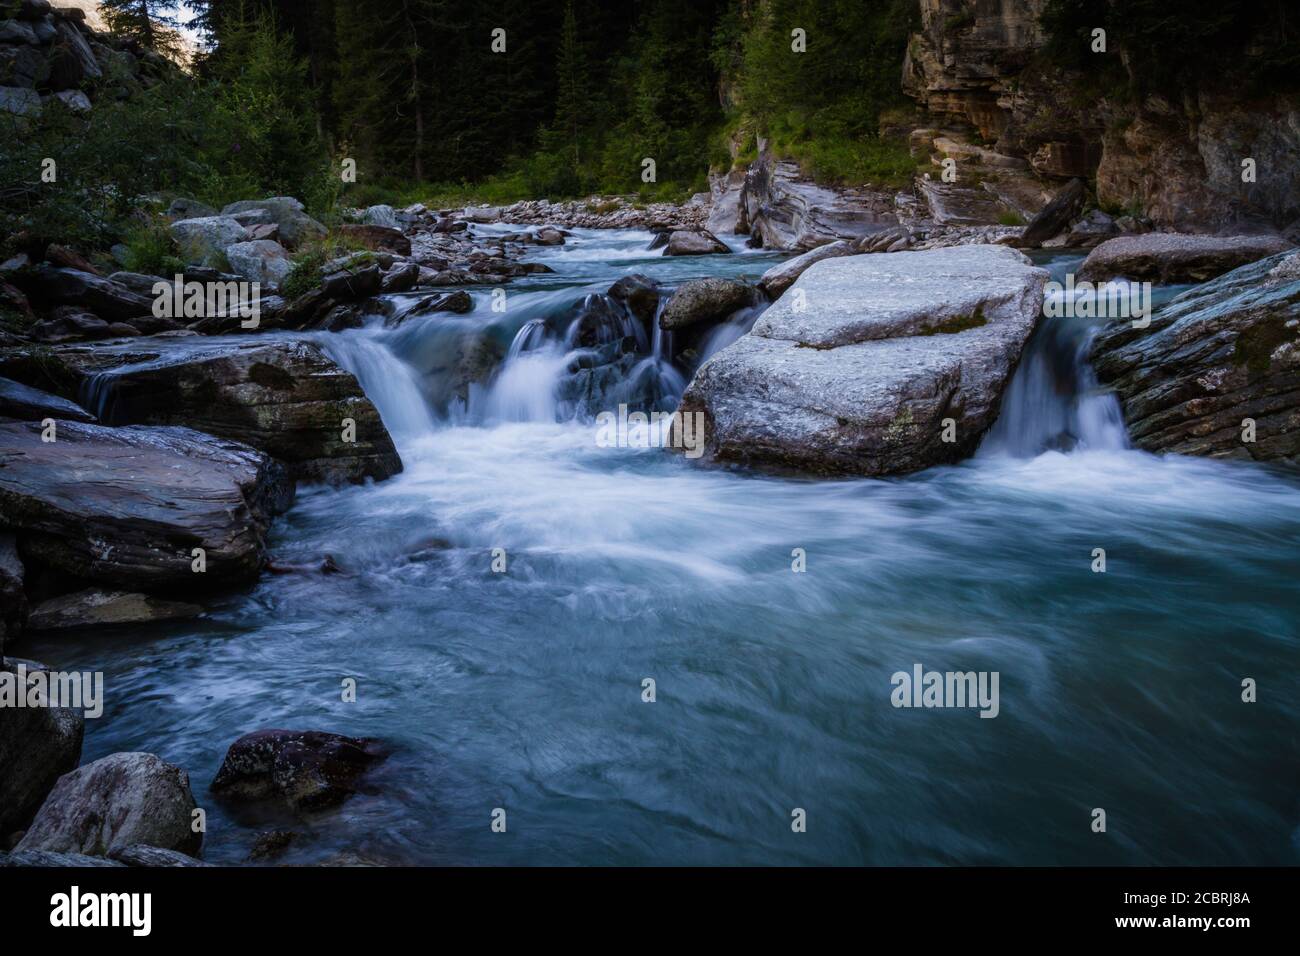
(307,769)
(1218,356)
(459,302)
(283,397)
(116,802)
(548,237)
(38,745)
(94,607)
(1168,257)
(128,506)
(863,380)
(639,294)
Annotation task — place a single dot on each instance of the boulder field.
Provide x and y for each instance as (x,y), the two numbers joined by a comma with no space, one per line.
(872,364)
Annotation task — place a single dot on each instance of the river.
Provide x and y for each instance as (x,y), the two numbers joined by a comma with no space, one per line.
(522,689)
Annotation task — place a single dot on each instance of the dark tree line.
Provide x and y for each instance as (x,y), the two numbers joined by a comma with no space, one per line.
(573,94)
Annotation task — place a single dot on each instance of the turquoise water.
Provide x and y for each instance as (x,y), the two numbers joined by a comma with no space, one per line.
(522,690)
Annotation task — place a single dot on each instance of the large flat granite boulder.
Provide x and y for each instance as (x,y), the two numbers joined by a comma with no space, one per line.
(858,374)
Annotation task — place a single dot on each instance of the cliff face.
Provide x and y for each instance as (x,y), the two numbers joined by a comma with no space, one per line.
(967,56)
(1176,160)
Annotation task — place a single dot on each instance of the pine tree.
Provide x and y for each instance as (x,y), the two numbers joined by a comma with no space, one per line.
(264,88)
(152,23)
(572,97)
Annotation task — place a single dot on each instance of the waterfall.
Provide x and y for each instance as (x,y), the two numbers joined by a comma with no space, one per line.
(525,386)
(589,357)
(729,331)
(1054,401)
(387,381)
(96,394)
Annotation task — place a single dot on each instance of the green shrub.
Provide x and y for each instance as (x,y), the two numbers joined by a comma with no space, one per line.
(306,273)
(251,132)
(150,249)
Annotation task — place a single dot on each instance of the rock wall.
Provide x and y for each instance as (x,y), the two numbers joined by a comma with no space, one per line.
(1175,162)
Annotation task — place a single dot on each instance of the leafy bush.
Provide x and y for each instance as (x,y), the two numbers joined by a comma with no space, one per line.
(150,249)
(306,273)
(249,133)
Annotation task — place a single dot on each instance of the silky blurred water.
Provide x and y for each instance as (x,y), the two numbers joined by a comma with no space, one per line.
(523,690)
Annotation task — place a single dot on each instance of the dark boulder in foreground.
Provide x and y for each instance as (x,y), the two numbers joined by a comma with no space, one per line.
(285,398)
(1168,257)
(889,364)
(116,802)
(38,745)
(13,596)
(128,506)
(1219,354)
(306,769)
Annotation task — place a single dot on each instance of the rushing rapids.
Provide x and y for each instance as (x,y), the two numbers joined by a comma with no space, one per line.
(523,688)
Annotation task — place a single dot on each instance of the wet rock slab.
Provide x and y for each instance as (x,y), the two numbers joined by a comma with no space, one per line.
(284,397)
(1172,257)
(1219,354)
(127,506)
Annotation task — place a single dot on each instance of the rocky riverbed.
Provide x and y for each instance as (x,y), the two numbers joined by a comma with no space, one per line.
(147,464)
